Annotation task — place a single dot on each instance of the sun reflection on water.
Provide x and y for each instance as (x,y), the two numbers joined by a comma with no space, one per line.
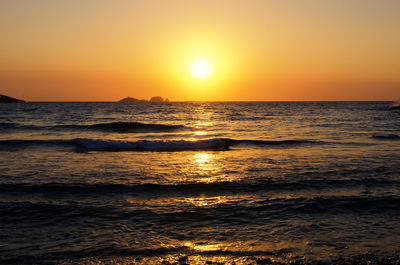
(200,133)
(203,200)
(203,117)
(205,166)
(202,247)
(202,159)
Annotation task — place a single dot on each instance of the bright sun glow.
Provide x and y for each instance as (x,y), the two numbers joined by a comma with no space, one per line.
(201,68)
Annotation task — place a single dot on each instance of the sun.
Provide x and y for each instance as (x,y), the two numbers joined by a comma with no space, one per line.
(201,68)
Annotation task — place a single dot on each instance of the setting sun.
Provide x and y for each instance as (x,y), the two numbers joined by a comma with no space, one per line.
(201,68)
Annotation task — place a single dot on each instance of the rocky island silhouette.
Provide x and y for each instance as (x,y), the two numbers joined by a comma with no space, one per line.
(153,99)
(7,99)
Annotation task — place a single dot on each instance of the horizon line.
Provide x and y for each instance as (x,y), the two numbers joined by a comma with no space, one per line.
(200,101)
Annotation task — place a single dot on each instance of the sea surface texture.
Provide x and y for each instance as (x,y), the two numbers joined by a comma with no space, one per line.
(197,183)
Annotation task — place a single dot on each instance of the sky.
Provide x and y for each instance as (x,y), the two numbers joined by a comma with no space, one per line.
(260,50)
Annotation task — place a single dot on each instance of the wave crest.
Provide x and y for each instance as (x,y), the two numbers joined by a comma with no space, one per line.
(217,144)
(136,127)
(144,145)
(119,127)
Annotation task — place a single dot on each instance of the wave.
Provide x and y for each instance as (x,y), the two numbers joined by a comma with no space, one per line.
(216,144)
(116,254)
(16,126)
(386,137)
(119,127)
(109,254)
(301,205)
(14,145)
(190,189)
(133,127)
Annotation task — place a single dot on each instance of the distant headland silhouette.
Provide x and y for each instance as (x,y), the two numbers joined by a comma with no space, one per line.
(7,99)
(153,99)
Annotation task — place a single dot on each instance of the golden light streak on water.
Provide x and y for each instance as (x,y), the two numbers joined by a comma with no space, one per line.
(203,201)
(204,164)
(200,133)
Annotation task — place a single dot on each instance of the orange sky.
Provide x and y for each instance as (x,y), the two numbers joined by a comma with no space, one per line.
(87,50)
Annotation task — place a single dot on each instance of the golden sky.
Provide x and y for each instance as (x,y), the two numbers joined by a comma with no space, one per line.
(100,50)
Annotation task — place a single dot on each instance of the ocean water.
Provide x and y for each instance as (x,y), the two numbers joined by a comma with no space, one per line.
(199,183)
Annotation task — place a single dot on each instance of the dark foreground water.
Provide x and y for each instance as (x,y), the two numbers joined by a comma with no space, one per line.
(243,183)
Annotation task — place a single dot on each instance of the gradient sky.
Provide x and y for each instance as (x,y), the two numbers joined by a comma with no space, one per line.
(100,50)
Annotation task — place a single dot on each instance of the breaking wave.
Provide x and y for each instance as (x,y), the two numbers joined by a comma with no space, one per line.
(155,146)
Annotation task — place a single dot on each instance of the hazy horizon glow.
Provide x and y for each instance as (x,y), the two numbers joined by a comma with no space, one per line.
(260,50)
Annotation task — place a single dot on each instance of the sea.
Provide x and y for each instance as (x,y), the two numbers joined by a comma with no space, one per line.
(199,183)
